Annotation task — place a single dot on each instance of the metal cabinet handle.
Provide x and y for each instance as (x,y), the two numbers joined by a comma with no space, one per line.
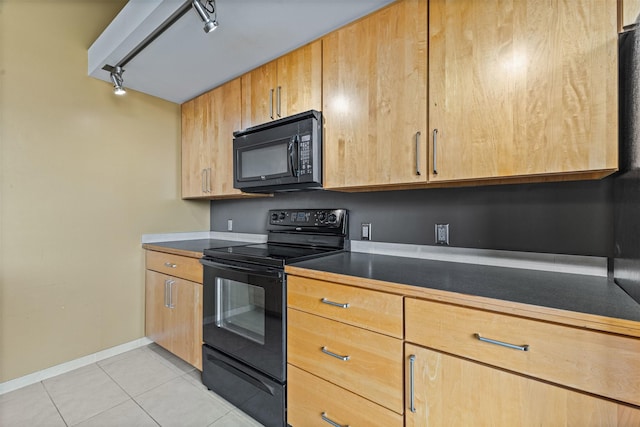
(203,180)
(278,105)
(335,304)
(435,152)
(166,293)
(171,283)
(271,104)
(330,421)
(418,153)
(502,343)
(170,265)
(412,403)
(208,187)
(337,356)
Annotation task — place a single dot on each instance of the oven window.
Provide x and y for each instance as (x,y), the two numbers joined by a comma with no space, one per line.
(265,161)
(240,309)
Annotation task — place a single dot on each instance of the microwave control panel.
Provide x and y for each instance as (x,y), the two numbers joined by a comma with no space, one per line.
(304,155)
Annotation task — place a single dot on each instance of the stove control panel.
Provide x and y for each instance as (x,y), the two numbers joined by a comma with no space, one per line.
(317,218)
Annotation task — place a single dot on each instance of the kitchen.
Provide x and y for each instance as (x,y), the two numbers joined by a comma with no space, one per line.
(81,166)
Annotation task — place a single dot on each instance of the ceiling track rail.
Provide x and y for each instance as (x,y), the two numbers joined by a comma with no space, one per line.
(151,37)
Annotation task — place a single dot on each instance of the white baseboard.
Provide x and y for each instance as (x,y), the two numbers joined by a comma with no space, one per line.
(62,368)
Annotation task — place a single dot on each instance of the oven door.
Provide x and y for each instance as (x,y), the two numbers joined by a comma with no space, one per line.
(243,314)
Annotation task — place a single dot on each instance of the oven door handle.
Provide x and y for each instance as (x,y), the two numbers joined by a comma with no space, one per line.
(248,378)
(257,270)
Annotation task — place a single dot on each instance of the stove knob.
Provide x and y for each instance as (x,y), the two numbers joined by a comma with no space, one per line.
(282,215)
(274,216)
(332,218)
(322,216)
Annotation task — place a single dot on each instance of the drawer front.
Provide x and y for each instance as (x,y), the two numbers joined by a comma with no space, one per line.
(373,368)
(373,310)
(310,398)
(175,265)
(604,364)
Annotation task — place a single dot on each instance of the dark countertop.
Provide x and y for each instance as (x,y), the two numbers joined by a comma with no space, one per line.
(577,293)
(192,248)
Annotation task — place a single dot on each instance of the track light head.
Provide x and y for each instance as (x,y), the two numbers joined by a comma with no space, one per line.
(116,79)
(209,24)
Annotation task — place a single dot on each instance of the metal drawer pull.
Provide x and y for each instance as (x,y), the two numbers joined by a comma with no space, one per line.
(502,343)
(170,265)
(335,304)
(412,405)
(337,356)
(330,421)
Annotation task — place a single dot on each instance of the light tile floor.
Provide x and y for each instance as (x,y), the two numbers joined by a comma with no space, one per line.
(147,386)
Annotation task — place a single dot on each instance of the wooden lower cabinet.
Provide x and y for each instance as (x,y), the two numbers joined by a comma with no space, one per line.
(173,316)
(313,401)
(451,391)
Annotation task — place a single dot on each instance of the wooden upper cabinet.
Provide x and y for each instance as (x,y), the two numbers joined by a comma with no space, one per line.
(208,122)
(522,88)
(628,12)
(196,156)
(288,85)
(375,98)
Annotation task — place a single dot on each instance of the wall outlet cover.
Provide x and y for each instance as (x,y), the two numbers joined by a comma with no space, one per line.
(442,234)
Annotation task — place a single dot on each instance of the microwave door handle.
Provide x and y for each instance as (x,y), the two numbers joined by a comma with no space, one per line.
(294,148)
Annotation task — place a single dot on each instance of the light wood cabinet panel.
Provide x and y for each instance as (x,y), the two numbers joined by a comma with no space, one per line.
(375,311)
(375,98)
(373,369)
(173,315)
(175,265)
(595,362)
(452,391)
(208,123)
(309,398)
(522,88)
(288,85)
(628,11)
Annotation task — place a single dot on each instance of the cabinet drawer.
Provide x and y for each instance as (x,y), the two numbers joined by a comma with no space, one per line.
(309,398)
(374,365)
(175,265)
(600,363)
(373,310)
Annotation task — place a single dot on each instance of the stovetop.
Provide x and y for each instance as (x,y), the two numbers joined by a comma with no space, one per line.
(294,235)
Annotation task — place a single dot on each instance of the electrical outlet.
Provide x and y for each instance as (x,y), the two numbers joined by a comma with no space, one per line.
(442,234)
(365,231)
(229,225)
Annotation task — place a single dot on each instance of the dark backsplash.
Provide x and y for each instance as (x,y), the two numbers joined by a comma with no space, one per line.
(565,217)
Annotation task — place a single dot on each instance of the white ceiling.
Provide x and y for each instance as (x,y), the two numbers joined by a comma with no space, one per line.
(185,62)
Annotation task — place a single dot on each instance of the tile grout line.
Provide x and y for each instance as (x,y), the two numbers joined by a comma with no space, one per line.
(54,403)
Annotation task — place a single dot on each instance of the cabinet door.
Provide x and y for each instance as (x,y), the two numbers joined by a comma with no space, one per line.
(299,86)
(225,110)
(186,321)
(448,390)
(522,88)
(259,95)
(196,153)
(157,314)
(374,99)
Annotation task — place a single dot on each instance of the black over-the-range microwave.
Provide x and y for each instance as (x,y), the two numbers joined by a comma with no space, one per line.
(282,155)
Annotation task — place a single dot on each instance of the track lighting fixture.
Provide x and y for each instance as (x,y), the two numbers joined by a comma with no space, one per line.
(204,11)
(116,78)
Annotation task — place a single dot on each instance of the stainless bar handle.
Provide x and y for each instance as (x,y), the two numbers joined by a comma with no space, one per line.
(330,421)
(337,356)
(335,304)
(171,283)
(170,265)
(271,104)
(502,343)
(166,293)
(435,152)
(418,153)
(412,403)
(202,179)
(208,180)
(278,107)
